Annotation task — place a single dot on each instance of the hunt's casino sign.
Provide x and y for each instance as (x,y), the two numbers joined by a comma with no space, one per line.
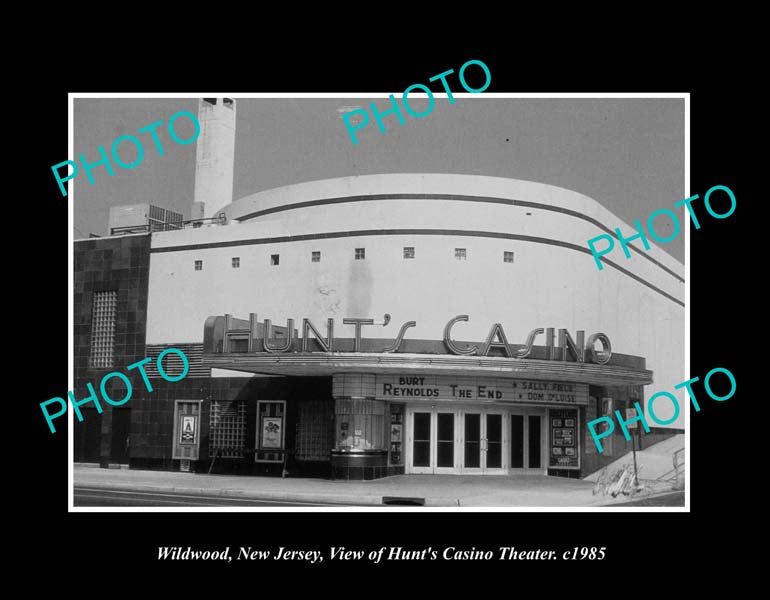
(262,338)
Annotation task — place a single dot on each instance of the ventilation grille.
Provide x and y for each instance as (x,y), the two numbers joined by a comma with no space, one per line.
(172,362)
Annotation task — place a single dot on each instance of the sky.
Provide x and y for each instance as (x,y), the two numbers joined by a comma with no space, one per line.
(627,154)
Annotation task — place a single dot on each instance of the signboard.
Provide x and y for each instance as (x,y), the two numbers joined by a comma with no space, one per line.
(272,434)
(631,414)
(396,434)
(188,430)
(220,332)
(186,434)
(481,389)
(564,450)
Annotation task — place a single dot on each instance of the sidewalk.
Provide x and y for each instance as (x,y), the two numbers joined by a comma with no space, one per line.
(653,462)
(436,490)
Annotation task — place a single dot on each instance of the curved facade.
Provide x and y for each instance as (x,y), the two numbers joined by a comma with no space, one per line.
(553,280)
(425,248)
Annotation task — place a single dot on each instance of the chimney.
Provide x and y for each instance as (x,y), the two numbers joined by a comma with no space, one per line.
(214,156)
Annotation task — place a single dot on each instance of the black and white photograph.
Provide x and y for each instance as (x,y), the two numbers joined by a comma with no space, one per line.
(310,316)
(301,273)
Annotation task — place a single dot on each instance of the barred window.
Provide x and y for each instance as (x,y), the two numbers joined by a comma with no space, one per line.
(360,253)
(314,437)
(103,328)
(236,262)
(227,429)
(199,265)
(315,256)
(508,257)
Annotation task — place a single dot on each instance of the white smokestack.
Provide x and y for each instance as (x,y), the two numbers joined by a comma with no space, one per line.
(214,156)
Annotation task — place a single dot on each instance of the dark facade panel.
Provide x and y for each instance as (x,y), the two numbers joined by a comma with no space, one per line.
(122,265)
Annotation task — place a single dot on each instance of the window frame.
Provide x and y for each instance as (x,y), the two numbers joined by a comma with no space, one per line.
(103,329)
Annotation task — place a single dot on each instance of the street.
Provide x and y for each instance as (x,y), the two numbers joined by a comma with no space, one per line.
(99,497)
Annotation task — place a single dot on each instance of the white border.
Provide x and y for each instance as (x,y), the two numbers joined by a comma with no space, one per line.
(374,509)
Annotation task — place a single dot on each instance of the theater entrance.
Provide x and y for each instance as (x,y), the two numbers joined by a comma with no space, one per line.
(475,440)
(452,440)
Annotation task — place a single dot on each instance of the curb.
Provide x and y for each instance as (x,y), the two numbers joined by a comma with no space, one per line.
(241,494)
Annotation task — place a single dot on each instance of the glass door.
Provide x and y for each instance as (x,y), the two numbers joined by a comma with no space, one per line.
(420,459)
(450,441)
(493,442)
(431,441)
(472,443)
(483,442)
(445,442)
(526,440)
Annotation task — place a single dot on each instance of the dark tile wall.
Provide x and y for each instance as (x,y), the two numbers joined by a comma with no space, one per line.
(121,264)
(153,413)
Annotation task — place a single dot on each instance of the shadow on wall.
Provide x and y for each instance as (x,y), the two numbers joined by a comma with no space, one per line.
(360,290)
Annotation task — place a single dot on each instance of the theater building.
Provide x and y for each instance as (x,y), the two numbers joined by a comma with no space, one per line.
(372,325)
(366,326)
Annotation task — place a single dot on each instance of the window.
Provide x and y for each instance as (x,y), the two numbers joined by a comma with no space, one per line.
(212,101)
(460,254)
(315,256)
(360,253)
(408,251)
(199,265)
(103,328)
(228,102)
(314,433)
(236,262)
(227,429)
(360,424)
(508,257)
(274,260)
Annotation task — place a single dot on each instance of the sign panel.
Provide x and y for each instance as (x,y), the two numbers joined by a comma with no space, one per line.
(564,452)
(186,435)
(272,434)
(479,389)
(187,431)
(631,414)
(219,333)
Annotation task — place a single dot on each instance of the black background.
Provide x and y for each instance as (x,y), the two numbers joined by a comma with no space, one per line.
(640,547)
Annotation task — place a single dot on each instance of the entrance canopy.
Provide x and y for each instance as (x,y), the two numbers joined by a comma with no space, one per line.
(327,364)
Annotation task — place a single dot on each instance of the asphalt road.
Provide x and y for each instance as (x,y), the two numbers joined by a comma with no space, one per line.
(85,497)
